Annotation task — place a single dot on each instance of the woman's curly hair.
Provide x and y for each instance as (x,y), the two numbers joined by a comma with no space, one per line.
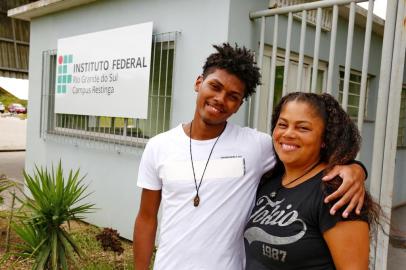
(237,61)
(341,142)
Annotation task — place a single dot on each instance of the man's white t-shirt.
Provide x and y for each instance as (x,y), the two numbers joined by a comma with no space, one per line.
(209,236)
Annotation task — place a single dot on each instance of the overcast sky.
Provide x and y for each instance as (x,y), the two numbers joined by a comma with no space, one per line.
(379,7)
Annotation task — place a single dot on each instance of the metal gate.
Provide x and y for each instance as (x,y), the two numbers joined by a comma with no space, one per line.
(324,16)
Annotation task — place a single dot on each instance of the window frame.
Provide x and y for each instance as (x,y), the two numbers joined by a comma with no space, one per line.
(280,61)
(164,48)
(340,91)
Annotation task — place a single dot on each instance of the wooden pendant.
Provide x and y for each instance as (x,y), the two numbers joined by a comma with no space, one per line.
(196,201)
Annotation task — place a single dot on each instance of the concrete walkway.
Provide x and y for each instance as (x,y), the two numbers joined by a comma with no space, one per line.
(12,153)
(12,166)
(397,245)
(13,133)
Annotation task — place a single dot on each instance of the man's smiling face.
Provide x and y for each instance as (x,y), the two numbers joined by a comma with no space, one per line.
(219,95)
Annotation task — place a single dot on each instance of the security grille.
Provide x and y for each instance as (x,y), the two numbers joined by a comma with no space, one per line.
(304,8)
(115,133)
(388,94)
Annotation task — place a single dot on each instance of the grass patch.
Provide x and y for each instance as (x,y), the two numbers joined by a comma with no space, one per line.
(94,255)
(6,98)
(22,116)
(95,258)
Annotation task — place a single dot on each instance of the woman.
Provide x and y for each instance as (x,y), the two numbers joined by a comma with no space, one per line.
(290,227)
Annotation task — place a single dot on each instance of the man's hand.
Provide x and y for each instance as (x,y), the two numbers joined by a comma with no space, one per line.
(351,191)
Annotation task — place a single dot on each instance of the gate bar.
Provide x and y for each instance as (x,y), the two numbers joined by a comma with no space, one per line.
(365,63)
(287,55)
(273,69)
(332,50)
(388,168)
(348,55)
(259,58)
(301,51)
(316,51)
(381,111)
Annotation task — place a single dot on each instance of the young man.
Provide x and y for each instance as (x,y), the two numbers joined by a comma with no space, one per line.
(205,173)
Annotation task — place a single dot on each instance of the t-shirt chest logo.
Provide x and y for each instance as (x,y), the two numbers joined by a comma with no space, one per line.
(272,213)
(217,168)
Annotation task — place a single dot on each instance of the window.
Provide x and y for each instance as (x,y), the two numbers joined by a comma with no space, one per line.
(116,130)
(402,120)
(354,92)
(291,80)
(293,69)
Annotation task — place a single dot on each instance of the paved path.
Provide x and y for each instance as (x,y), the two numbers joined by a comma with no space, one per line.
(12,133)
(397,250)
(12,166)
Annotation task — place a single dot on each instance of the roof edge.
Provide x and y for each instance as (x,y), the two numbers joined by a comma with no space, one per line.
(44,7)
(361,14)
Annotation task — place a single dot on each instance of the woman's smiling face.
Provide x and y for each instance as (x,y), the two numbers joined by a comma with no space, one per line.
(298,134)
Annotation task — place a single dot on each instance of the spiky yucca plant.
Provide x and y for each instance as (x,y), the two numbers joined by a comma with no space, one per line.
(53,202)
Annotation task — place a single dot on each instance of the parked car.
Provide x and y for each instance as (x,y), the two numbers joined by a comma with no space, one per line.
(16,108)
(2,108)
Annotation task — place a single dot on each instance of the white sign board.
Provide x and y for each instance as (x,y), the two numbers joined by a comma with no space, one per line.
(105,73)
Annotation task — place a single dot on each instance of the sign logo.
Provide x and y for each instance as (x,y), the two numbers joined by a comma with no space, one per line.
(64,77)
(105,73)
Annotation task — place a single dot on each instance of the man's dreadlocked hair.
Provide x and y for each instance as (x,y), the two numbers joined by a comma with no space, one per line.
(237,61)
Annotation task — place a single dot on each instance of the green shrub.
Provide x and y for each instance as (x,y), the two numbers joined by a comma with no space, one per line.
(54,201)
